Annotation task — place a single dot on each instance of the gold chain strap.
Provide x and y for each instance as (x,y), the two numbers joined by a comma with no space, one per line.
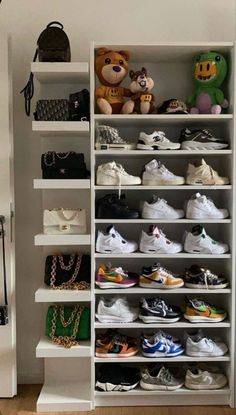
(66,341)
(71,284)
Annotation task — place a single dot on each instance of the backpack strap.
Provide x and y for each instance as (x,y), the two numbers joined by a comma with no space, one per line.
(2,234)
(55,23)
(28,90)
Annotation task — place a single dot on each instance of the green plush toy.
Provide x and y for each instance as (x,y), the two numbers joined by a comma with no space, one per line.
(209,72)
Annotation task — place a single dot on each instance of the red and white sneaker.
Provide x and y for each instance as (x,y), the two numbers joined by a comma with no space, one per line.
(156,242)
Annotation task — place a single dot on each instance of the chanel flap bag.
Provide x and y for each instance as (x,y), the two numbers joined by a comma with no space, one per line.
(64,221)
(70,165)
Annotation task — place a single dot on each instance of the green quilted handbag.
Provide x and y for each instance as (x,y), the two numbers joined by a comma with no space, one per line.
(65,325)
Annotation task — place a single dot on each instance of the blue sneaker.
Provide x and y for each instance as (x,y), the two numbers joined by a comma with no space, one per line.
(159,345)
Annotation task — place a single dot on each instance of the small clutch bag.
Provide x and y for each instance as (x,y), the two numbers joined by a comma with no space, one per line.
(52,110)
(69,165)
(64,221)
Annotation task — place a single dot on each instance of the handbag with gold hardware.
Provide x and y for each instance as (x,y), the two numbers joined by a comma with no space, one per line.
(64,221)
(68,272)
(66,325)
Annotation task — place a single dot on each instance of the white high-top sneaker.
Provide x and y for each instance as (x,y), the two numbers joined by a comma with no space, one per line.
(113,174)
(201,173)
(156,242)
(156,141)
(200,207)
(159,209)
(198,242)
(156,174)
(111,242)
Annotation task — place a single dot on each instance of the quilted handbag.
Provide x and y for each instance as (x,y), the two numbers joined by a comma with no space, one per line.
(4,307)
(79,106)
(68,272)
(64,221)
(66,325)
(52,110)
(69,165)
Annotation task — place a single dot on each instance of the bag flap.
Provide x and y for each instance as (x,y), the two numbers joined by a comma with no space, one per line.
(57,217)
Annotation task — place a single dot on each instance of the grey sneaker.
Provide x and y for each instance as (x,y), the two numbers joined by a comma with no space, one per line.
(159,378)
(108,138)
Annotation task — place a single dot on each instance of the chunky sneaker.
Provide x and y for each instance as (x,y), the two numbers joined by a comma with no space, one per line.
(158,345)
(115,310)
(156,141)
(113,174)
(113,377)
(198,345)
(155,310)
(117,346)
(199,311)
(108,277)
(159,277)
(159,209)
(198,242)
(197,139)
(156,242)
(107,138)
(201,173)
(156,174)
(201,207)
(111,242)
(200,277)
(159,378)
(206,380)
(112,206)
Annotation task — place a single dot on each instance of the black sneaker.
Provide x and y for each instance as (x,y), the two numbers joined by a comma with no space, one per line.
(200,140)
(154,310)
(113,377)
(200,277)
(113,207)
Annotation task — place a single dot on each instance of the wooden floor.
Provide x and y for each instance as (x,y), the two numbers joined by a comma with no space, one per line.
(24,404)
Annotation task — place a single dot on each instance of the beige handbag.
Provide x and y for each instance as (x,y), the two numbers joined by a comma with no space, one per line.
(64,221)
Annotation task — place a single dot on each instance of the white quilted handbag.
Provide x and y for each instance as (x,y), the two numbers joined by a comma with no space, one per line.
(64,221)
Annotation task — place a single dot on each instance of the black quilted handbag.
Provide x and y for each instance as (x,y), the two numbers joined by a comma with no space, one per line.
(69,165)
(4,307)
(52,110)
(79,106)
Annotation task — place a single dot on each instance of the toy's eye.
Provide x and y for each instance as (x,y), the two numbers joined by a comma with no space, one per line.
(141,76)
(121,62)
(217,58)
(107,61)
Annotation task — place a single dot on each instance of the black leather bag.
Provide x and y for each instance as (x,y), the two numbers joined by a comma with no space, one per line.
(4,307)
(68,271)
(69,165)
(79,106)
(52,110)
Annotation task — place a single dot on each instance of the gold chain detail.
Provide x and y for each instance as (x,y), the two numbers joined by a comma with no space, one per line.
(66,341)
(71,284)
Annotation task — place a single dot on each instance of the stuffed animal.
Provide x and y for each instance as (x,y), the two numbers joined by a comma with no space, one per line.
(209,72)
(142,100)
(111,68)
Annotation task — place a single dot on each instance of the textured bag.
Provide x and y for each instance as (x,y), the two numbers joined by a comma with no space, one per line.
(65,325)
(79,106)
(3,308)
(68,272)
(64,221)
(52,110)
(69,165)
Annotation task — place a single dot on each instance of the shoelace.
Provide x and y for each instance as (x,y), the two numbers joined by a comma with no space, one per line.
(164,170)
(209,276)
(167,376)
(119,170)
(209,202)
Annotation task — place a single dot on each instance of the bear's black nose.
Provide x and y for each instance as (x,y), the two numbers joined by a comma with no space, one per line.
(116,68)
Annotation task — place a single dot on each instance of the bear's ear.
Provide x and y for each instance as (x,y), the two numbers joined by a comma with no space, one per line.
(125,54)
(102,51)
(131,74)
(144,70)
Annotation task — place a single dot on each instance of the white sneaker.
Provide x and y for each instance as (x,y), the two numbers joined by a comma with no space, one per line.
(115,310)
(156,141)
(199,345)
(113,174)
(156,174)
(198,242)
(199,379)
(111,242)
(159,209)
(200,207)
(156,242)
(201,173)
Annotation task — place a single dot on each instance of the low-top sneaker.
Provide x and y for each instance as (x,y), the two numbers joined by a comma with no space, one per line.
(198,345)
(113,174)
(108,138)
(155,241)
(199,311)
(156,141)
(111,242)
(108,277)
(201,207)
(202,173)
(115,310)
(159,277)
(159,345)
(197,139)
(206,380)
(200,277)
(155,310)
(156,174)
(158,208)
(111,206)
(113,377)
(159,378)
(117,346)
(198,242)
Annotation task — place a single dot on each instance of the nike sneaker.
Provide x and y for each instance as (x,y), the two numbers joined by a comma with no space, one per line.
(159,345)
(156,141)
(155,310)
(197,139)
(111,206)
(111,242)
(116,277)
(202,173)
(113,174)
(201,207)
(159,277)
(200,277)
(200,311)
(156,174)
(159,209)
(198,379)
(115,310)
(199,345)
(117,346)
(198,242)
(155,241)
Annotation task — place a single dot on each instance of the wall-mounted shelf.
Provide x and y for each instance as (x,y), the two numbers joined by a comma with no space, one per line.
(46,348)
(61,184)
(61,72)
(44,240)
(159,153)
(61,128)
(48,295)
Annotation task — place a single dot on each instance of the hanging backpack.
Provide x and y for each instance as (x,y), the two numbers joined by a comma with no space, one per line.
(52,46)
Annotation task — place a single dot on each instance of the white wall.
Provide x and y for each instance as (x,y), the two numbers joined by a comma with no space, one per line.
(118,21)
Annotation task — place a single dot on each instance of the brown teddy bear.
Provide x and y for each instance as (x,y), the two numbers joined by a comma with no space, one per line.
(142,100)
(111,68)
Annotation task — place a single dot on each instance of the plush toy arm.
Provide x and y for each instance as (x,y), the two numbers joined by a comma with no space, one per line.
(99,92)
(219,96)
(190,101)
(127,92)
(135,97)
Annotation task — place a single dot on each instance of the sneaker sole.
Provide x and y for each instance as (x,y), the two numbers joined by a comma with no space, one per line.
(155,147)
(205,183)
(151,387)
(152,319)
(198,217)
(209,287)
(114,355)
(204,251)
(107,285)
(113,319)
(193,145)
(205,387)
(202,319)
(161,287)
(158,251)
(99,146)
(109,387)
(205,354)
(110,182)
(115,251)
(159,354)
(163,182)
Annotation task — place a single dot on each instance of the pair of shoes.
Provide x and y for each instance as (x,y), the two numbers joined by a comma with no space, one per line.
(114,207)
(201,277)
(198,310)
(161,344)
(156,310)
(200,345)
(108,138)
(205,378)
(159,377)
(108,277)
(114,377)
(116,310)
(113,344)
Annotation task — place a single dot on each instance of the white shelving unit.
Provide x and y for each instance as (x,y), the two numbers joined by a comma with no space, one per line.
(61,128)
(161,61)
